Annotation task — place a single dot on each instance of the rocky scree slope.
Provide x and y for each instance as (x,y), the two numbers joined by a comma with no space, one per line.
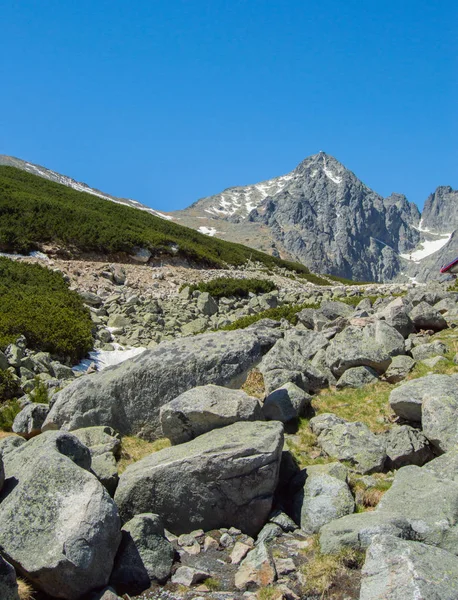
(228,505)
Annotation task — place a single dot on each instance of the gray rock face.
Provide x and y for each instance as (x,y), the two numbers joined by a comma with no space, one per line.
(396,314)
(128,397)
(406,446)
(357,377)
(8,583)
(333,310)
(205,408)
(439,418)
(399,368)
(100,440)
(425,316)
(439,213)
(206,304)
(325,422)
(223,478)
(286,403)
(294,351)
(50,501)
(428,350)
(29,421)
(407,399)
(323,499)
(400,570)
(354,442)
(143,556)
(371,346)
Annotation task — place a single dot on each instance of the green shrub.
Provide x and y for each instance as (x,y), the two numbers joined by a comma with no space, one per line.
(8,386)
(40,393)
(346,281)
(229,286)
(36,303)
(287,311)
(8,412)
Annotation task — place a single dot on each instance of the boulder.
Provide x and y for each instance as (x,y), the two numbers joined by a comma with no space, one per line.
(396,314)
(294,351)
(355,443)
(205,408)
(286,403)
(428,350)
(223,478)
(445,466)
(128,397)
(406,446)
(333,310)
(29,421)
(100,440)
(371,346)
(357,377)
(399,368)
(324,422)
(323,499)
(144,555)
(188,576)
(397,569)
(407,399)
(440,418)
(206,304)
(425,316)
(58,524)
(357,531)
(8,583)
(10,443)
(105,469)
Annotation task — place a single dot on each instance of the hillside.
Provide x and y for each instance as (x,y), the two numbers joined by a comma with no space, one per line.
(36,211)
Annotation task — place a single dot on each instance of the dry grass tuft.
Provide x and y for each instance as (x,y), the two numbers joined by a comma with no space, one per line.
(25,590)
(134,449)
(254,385)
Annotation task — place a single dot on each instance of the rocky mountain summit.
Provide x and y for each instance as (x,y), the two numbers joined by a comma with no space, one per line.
(322,215)
(310,454)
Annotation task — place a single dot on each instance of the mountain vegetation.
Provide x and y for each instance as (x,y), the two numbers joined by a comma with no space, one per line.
(37,303)
(35,211)
(228,286)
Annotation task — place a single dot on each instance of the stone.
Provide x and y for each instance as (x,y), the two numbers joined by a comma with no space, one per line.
(269,532)
(106,594)
(105,469)
(397,569)
(204,408)
(357,377)
(206,304)
(322,499)
(100,440)
(195,326)
(280,518)
(210,543)
(439,417)
(354,442)
(333,310)
(60,371)
(257,569)
(287,403)
(57,523)
(284,566)
(10,444)
(91,299)
(396,314)
(188,576)
(428,350)
(372,346)
(399,368)
(426,317)
(3,362)
(223,478)
(8,583)
(239,552)
(128,396)
(324,422)
(444,466)
(433,362)
(407,399)
(29,421)
(334,469)
(357,531)
(294,351)
(406,446)
(144,555)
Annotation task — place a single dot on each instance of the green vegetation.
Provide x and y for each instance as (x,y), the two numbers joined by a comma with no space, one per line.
(134,449)
(212,584)
(346,281)
(315,279)
(35,211)
(287,311)
(37,303)
(8,386)
(8,411)
(230,286)
(40,393)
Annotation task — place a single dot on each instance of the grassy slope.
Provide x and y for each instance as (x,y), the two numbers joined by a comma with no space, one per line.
(34,210)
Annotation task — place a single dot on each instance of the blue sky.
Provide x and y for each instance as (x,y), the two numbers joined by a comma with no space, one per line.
(169,101)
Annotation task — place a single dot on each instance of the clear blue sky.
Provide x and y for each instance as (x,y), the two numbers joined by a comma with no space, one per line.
(172,100)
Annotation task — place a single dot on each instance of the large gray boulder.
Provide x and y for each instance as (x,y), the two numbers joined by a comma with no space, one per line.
(294,352)
(445,466)
(8,582)
(397,569)
(29,421)
(357,377)
(423,351)
(325,422)
(371,346)
(286,403)
(144,555)
(406,446)
(128,397)
(333,310)
(407,399)
(396,314)
(355,443)
(426,317)
(58,525)
(323,499)
(205,408)
(224,478)
(399,368)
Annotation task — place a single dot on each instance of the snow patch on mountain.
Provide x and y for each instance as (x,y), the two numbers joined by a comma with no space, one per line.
(428,247)
(210,231)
